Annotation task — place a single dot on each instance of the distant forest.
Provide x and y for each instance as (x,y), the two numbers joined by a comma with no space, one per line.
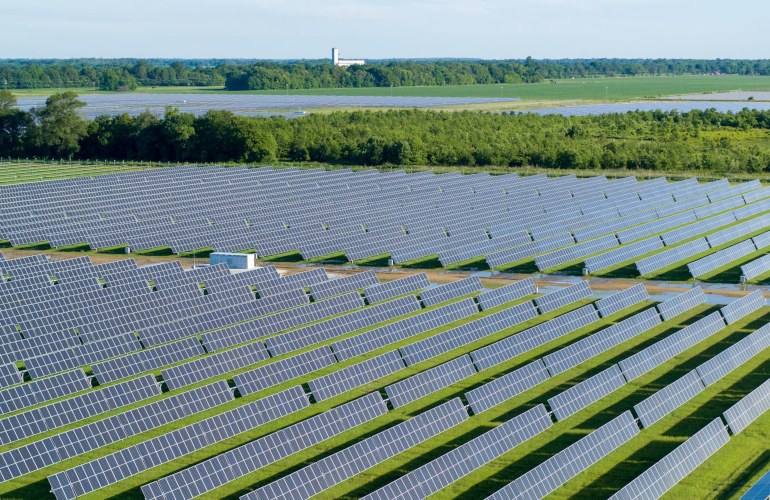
(128,74)
(707,141)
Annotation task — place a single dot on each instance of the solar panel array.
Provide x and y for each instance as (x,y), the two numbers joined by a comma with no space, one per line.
(429,381)
(458,463)
(670,308)
(589,391)
(666,400)
(748,409)
(620,300)
(467,333)
(538,335)
(622,254)
(392,289)
(212,473)
(571,461)
(721,258)
(342,465)
(731,358)
(672,468)
(554,300)
(747,304)
(671,256)
(443,293)
(676,343)
(582,350)
(509,385)
(738,230)
(499,296)
(403,329)
(358,281)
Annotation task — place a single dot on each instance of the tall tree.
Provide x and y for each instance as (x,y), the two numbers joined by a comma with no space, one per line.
(60,125)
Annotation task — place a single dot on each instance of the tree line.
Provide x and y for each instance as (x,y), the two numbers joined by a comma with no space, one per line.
(705,141)
(313,74)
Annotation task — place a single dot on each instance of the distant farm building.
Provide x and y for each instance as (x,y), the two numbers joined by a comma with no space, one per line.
(344,63)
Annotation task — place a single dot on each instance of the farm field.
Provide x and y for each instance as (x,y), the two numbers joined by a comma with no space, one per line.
(593,89)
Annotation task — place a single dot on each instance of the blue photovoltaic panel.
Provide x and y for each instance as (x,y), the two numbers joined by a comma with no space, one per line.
(392,289)
(671,256)
(429,381)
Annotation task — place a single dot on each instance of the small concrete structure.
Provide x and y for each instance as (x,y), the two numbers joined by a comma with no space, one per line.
(234,260)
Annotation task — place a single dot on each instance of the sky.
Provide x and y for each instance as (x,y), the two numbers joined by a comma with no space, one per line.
(383,29)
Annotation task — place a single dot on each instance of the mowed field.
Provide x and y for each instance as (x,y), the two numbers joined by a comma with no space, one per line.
(592,89)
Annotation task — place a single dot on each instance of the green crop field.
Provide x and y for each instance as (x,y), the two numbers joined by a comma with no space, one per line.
(592,89)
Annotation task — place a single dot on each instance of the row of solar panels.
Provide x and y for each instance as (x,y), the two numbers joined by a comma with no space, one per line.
(435,217)
(320,476)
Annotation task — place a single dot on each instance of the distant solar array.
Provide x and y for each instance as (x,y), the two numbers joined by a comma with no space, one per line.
(247,104)
(316,213)
(681,107)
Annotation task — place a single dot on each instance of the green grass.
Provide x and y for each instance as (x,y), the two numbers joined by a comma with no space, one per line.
(592,89)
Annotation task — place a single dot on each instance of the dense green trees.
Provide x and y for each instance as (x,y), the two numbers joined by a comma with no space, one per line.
(260,75)
(699,140)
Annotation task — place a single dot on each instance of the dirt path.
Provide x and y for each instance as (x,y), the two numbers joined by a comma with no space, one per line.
(434,275)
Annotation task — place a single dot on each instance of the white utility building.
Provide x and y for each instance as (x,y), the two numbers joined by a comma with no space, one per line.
(336,61)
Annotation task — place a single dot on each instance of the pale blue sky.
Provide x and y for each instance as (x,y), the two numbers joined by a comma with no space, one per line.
(279,29)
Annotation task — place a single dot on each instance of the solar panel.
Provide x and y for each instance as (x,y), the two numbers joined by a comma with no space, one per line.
(756,268)
(568,463)
(749,408)
(453,466)
(538,335)
(344,464)
(668,399)
(391,289)
(762,240)
(671,256)
(214,365)
(467,333)
(601,341)
(112,468)
(575,252)
(356,375)
(466,286)
(721,258)
(589,391)
(499,296)
(760,490)
(747,304)
(10,375)
(736,231)
(399,330)
(682,302)
(655,227)
(240,461)
(664,475)
(326,289)
(503,388)
(734,356)
(697,228)
(620,300)
(560,298)
(283,370)
(429,381)
(614,257)
(665,349)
